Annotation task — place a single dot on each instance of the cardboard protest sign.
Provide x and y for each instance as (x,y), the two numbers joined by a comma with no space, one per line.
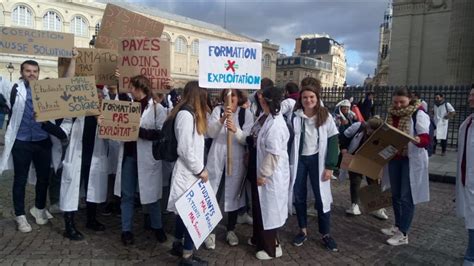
(121,120)
(230,65)
(199,209)
(35,42)
(100,63)
(378,150)
(119,23)
(144,56)
(372,198)
(65,97)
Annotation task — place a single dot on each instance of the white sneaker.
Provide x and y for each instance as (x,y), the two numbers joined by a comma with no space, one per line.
(23,225)
(380,214)
(210,241)
(245,219)
(333,177)
(279,251)
(390,231)
(398,239)
(262,255)
(354,210)
(40,215)
(54,208)
(232,238)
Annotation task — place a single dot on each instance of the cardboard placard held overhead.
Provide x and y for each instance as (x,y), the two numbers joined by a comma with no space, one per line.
(118,22)
(372,198)
(230,65)
(144,56)
(64,98)
(100,63)
(121,120)
(378,150)
(199,209)
(35,42)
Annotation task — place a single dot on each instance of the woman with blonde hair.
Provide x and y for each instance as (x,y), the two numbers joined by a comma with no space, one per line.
(190,126)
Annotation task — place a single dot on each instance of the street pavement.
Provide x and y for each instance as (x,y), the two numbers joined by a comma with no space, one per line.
(437,237)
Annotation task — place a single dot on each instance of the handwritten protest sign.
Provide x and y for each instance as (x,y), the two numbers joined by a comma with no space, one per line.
(118,23)
(373,198)
(65,97)
(100,63)
(199,210)
(235,65)
(144,56)
(121,120)
(35,42)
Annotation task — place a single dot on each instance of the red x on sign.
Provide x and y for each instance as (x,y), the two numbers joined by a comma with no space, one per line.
(231,65)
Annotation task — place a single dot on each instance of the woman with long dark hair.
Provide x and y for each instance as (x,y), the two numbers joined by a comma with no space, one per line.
(314,154)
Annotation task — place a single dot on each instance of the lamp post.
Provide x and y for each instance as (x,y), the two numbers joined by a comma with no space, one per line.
(10,69)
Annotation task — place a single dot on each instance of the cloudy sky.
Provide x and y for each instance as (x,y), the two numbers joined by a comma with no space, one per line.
(352,22)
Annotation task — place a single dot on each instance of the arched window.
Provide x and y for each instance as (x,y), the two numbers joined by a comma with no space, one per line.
(267,60)
(195,48)
(79,26)
(22,16)
(165,36)
(97,28)
(180,45)
(52,21)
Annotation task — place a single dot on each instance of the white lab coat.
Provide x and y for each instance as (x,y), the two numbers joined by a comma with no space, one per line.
(418,163)
(327,130)
(273,139)
(71,175)
(6,161)
(217,157)
(190,161)
(442,124)
(465,194)
(57,149)
(286,108)
(150,176)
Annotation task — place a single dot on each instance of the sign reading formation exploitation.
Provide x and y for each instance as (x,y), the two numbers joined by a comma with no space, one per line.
(100,63)
(119,23)
(35,42)
(144,56)
(121,120)
(235,65)
(65,97)
(199,210)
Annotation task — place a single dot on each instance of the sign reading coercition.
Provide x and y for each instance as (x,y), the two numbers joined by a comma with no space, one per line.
(65,97)
(144,56)
(100,63)
(199,210)
(235,65)
(35,42)
(121,120)
(119,22)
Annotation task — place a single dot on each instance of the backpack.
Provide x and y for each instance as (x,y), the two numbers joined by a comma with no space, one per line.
(432,129)
(13,94)
(166,147)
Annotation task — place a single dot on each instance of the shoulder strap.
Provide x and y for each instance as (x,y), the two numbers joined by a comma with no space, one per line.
(13,94)
(414,121)
(241,117)
(190,110)
(446,106)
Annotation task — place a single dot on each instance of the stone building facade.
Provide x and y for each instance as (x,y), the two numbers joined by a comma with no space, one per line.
(381,73)
(83,18)
(296,68)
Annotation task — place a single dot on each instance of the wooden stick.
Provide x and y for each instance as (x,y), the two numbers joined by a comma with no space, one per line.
(228,102)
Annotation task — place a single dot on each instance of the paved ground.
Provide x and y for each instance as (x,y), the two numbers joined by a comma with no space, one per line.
(437,237)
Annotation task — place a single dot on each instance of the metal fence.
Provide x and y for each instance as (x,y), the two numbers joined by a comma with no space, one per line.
(456,95)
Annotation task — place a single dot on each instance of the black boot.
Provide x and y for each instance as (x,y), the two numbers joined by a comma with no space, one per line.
(71,231)
(146,221)
(92,222)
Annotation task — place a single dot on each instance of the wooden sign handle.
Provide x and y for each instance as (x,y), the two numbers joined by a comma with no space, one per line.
(228,102)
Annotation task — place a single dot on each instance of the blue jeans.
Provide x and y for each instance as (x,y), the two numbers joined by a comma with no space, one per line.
(129,186)
(470,247)
(180,232)
(309,165)
(402,201)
